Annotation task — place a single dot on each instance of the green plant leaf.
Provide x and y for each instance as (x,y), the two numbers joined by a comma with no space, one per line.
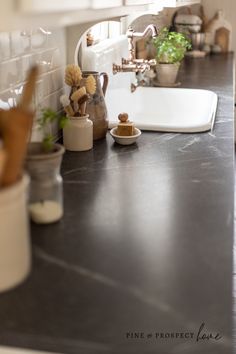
(47,117)
(47,143)
(171,46)
(63,121)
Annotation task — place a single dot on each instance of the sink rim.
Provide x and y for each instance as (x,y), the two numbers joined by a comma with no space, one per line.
(195,128)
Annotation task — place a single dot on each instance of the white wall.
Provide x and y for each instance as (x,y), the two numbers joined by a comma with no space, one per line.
(229,8)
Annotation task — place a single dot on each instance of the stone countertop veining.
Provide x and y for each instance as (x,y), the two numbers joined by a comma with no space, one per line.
(145,244)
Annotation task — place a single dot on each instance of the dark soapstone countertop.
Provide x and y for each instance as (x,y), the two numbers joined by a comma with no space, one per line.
(145,247)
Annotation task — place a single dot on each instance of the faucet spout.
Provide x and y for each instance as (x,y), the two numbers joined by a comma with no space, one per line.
(131,34)
(132,64)
(149,29)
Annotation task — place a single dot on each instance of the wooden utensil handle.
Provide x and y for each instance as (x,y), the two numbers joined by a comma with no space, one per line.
(15,139)
(3,156)
(15,126)
(28,89)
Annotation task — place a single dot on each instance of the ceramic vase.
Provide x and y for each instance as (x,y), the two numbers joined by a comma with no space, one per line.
(15,248)
(78,134)
(96,105)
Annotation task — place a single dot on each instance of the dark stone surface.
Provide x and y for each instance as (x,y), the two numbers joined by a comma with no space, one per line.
(145,244)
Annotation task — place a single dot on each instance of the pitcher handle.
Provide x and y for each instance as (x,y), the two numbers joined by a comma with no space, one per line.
(105,82)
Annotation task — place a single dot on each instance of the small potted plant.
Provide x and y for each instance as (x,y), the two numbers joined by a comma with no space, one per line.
(170,51)
(43,163)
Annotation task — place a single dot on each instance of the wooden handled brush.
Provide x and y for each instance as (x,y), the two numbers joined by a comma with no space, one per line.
(15,126)
(3,156)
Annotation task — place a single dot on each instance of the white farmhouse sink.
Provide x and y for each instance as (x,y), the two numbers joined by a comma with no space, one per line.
(164,109)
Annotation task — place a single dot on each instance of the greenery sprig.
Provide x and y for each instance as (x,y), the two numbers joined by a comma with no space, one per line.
(47,117)
(171,46)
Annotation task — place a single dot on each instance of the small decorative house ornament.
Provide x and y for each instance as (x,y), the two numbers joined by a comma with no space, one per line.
(219,32)
(125,127)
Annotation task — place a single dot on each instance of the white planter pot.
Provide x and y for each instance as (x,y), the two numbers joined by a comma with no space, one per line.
(15,249)
(167,73)
(78,134)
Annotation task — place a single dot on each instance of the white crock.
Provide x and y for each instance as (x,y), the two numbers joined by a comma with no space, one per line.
(78,134)
(15,248)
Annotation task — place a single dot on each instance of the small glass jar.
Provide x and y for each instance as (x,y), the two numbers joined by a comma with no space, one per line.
(46,186)
(78,134)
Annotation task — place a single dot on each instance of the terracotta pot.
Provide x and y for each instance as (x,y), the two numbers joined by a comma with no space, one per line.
(167,73)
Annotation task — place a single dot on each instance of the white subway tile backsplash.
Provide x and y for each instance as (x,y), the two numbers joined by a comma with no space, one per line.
(15,95)
(41,59)
(56,80)
(56,59)
(10,73)
(41,90)
(26,40)
(51,58)
(19,50)
(25,64)
(4,100)
(39,38)
(5,48)
(36,133)
(52,101)
(54,128)
(19,43)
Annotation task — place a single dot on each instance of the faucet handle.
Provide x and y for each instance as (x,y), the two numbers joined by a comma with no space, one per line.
(130,32)
(116,68)
(124,61)
(152,62)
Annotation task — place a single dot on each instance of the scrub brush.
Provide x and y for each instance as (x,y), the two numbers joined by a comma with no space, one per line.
(90,85)
(73,75)
(66,105)
(78,94)
(82,104)
(80,97)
